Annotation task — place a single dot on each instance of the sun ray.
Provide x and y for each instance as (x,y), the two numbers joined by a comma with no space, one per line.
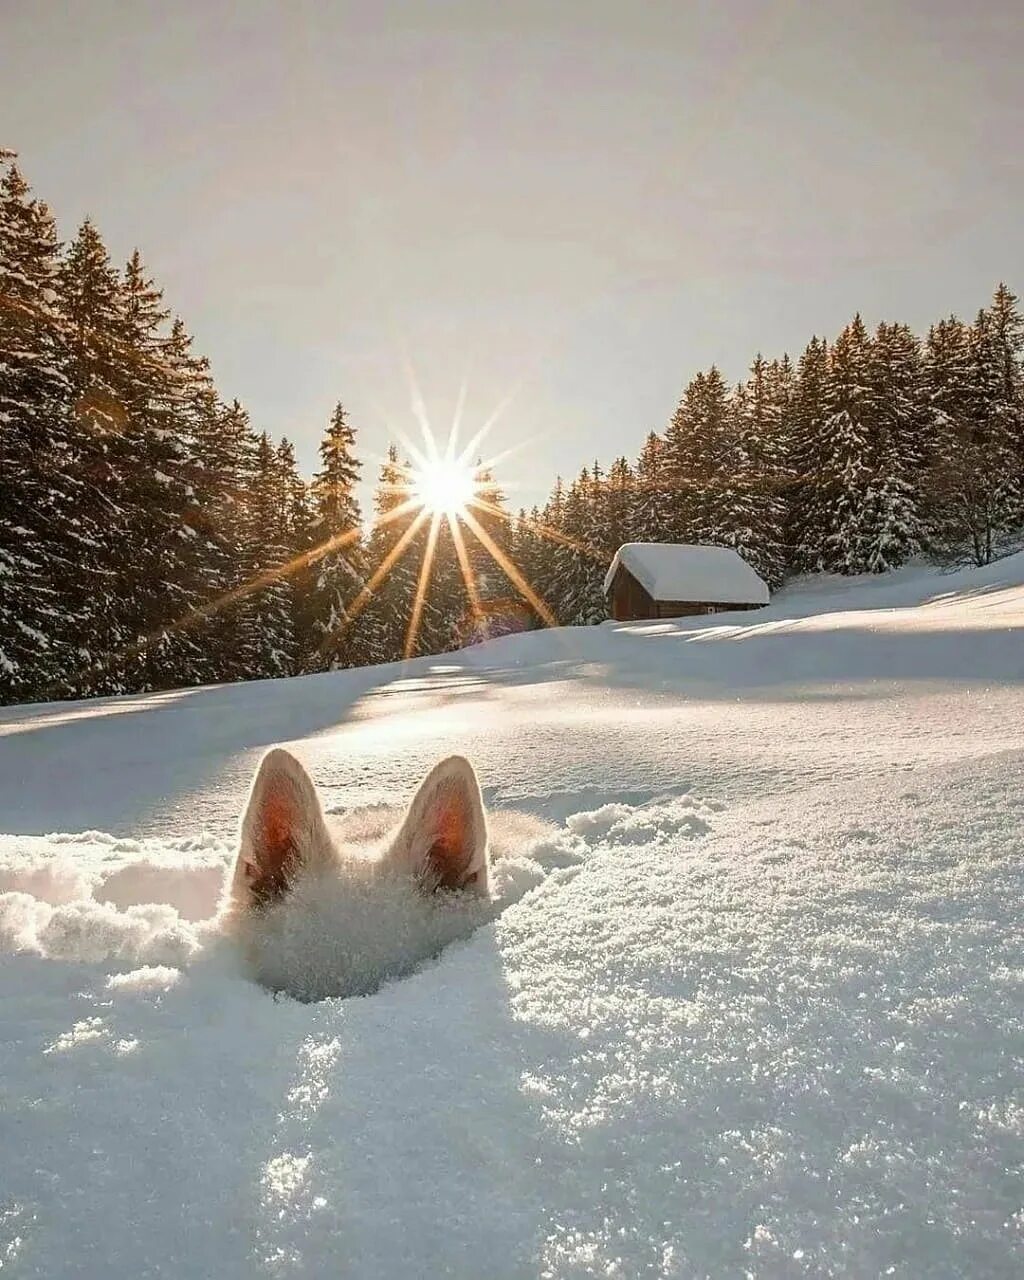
(544,530)
(412,451)
(466,456)
(418,405)
(412,632)
(456,427)
(468,576)
(211,608)
(383,569)
(491,462)
(503,562)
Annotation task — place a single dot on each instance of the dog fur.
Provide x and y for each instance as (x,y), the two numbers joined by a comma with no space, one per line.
(332,907)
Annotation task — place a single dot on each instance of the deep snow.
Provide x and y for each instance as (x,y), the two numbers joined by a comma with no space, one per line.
(755,1007)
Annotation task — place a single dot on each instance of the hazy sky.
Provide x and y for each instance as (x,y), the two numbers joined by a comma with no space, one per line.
(582,202)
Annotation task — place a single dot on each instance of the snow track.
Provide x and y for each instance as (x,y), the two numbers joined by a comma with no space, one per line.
(756,1007)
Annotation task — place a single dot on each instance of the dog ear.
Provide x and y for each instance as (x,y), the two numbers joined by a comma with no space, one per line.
(282,826)
(444,835)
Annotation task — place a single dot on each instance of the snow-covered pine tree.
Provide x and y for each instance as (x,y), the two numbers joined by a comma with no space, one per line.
(686,468)
(846,460)
(595,507)
(698,448)
(620,499)
(339,575)
(227,448)
(751,509)
(732,500)
(999,374)
(385,618)
(527,549)
(782,384)
(266,614)
(210,545)
(976,481)
(808,519)
(545,548)
(90,300)
(154,565)
(574,593)
(651,506)
(44,541)
(493,588)
(891,524)
(297,522)
(956,479)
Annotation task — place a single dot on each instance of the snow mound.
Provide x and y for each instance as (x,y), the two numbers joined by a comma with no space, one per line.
(145,905)
(652,823)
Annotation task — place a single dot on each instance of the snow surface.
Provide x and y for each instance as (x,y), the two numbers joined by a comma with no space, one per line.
(679,571)
(755,1007)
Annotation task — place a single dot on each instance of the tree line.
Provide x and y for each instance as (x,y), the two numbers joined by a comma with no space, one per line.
(151,537)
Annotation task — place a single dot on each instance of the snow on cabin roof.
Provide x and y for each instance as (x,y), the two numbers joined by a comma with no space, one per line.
(677,571)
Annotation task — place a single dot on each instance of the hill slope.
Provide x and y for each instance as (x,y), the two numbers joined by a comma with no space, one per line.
(759,1011)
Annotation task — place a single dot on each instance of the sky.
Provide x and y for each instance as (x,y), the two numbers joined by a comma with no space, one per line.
(566,208)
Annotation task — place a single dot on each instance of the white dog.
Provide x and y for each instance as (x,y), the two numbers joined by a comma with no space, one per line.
(322,911)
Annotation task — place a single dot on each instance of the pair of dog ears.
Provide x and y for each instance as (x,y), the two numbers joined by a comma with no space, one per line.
(442,840)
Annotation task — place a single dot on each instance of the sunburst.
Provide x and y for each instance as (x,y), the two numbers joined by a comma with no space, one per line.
(444,486)
(447,486)
(438,485)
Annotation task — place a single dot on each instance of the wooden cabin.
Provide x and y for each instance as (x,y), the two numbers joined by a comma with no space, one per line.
(674,580)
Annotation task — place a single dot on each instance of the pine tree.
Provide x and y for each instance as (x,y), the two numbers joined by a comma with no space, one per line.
(952,480)
(488,609)
(575,591)
(806,456)
(845,462)
(298,520)
(209,546)
(685,466)
(266,614)
(90,301)
(154,566)
(226,453)
(338,575)
(529,548)
(620,496)
(976,477)
(546,550)
(386,617)
(652,506)
(892,527)
(999,377)
(43,544)
(752,511)
(698,455)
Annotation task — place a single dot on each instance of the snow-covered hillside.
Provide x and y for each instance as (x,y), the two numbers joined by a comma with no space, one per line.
(755,1006)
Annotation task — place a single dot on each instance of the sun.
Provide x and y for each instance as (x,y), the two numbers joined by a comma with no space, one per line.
(443,486)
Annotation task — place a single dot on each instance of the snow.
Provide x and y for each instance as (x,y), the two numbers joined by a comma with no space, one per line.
(753,1003)
(678,571)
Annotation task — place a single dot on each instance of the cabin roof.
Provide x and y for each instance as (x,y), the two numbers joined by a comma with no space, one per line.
(678,571)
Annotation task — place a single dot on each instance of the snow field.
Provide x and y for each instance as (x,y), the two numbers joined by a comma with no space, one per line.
(754,1006)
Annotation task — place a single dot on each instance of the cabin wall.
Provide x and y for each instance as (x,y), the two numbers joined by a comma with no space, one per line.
(629,601)
(691,608)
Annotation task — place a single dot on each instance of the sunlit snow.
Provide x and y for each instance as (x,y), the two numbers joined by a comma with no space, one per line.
(754,1005)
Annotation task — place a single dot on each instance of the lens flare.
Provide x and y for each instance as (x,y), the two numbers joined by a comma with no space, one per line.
(444,486)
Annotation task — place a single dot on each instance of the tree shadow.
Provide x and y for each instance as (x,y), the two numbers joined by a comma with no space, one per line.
(165,758)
